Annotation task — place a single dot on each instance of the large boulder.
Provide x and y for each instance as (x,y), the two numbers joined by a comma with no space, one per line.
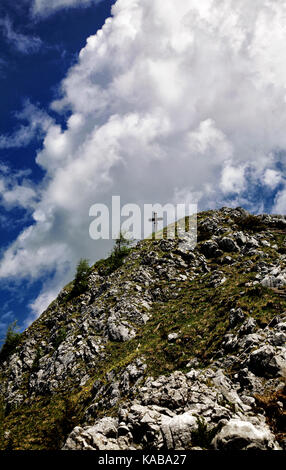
(243,435)
(119,331)
(228,244)
(248,326)
(274,281)
(177,430)
(101,436)
(264,362)
(210,249)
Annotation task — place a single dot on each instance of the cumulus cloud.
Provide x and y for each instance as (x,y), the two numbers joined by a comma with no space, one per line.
(46,7)
(272,178)
(232,178)
(168,101)
(21,42)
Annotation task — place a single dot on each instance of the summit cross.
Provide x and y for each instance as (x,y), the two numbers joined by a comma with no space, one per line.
(155,219)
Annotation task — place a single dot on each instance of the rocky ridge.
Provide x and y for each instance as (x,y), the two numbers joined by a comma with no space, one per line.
(179,348)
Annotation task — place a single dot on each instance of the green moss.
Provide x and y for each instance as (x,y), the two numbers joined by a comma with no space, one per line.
(61,336)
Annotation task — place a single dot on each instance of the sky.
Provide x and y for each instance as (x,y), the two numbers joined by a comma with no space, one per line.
(156,101)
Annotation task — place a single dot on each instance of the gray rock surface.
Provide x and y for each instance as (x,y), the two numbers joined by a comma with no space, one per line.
(167,412)
(243,435)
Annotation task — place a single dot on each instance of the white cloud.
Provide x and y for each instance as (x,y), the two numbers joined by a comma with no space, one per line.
(209,142)
(38,123)
(40,304)
(280,202)
(16,190)
(19,195)
(232,178)
(46,7)
(170,100)
(272,178)
(23,43)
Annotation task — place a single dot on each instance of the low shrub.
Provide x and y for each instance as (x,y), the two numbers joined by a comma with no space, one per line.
(80,283)
(61,336)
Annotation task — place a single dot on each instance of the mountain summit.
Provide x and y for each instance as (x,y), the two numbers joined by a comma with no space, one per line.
(174,348)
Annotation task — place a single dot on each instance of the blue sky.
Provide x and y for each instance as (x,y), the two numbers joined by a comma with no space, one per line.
(156,101)
(32,72)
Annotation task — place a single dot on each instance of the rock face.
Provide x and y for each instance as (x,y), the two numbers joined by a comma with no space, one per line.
(179,348)
(169,412)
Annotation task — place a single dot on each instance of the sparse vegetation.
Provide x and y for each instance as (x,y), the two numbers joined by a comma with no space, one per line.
(119,252)
(251,223)
(203,436)
(36,361)
(61,336)
(115,260)
(44,424)
(274,406)
(68,413)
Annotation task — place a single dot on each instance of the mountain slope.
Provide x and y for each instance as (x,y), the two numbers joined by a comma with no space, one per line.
(177,348)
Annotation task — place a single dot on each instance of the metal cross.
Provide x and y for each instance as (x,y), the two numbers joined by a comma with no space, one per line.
(155,219)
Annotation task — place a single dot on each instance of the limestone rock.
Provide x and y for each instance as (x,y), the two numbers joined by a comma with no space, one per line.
(243,435)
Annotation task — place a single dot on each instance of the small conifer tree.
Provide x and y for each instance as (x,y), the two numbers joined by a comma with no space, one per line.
(120,250)
(12,340)
(122,243)
(81,278)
